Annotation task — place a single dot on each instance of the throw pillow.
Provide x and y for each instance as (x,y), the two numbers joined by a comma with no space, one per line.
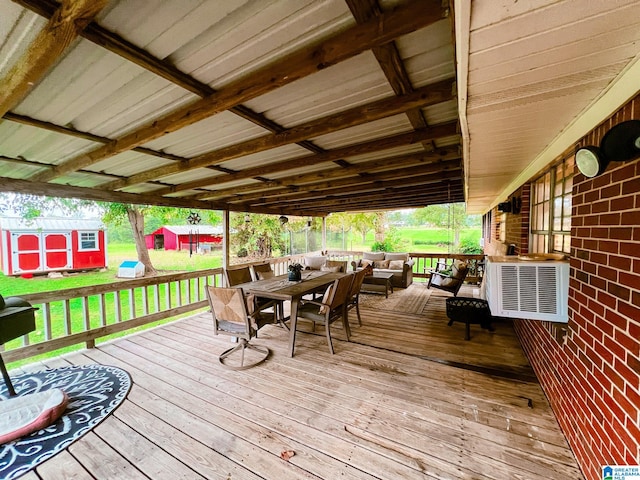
(265,275)
(381,264)
(365,263)
(314,262)
(325,299)
(326,268)
(396,265)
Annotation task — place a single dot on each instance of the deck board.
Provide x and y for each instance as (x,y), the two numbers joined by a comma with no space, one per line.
(407,398)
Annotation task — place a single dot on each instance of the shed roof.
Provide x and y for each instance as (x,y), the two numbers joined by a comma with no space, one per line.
(50,224)
(187,229)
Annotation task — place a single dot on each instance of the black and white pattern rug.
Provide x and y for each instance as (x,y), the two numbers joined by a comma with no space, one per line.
(94,391)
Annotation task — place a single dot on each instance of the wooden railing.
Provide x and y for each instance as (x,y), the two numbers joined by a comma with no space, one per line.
(424,262)
(81,315)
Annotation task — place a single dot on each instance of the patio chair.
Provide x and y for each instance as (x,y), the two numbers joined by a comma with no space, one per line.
(353,299)
(238,275)
(330,309)
(262,271)
(449,279)
(231,316)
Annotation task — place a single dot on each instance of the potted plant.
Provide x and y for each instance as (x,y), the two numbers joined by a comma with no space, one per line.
(295,272)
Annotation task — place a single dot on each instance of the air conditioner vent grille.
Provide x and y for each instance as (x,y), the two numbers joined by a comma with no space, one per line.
(528,290)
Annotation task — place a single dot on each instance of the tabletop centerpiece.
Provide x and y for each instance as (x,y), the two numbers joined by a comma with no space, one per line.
(295,272)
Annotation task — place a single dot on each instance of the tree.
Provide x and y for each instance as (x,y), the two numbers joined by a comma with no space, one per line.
(257,235)
(363,222)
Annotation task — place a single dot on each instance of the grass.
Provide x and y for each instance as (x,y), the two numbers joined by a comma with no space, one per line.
(116,254)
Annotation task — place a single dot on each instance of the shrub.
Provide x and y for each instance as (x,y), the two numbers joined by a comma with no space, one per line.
(470,247)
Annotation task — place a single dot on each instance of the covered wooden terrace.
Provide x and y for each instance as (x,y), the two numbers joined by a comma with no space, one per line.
(406,398)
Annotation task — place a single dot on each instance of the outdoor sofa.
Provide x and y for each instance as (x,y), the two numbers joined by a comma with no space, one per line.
(399,264)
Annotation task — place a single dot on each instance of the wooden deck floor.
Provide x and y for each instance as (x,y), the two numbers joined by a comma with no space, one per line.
(408,398)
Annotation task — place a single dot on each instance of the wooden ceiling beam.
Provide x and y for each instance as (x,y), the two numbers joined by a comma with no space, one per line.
(409,138)
(52,127)
(347,44)
(67,191)
(387,200)
(428,95)
(376,183)
(380,200)
(390,61)
(293,183)
(354,179)
(65,24)
(127,50)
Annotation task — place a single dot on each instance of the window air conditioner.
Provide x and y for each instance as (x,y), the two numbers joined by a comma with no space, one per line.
(535,290)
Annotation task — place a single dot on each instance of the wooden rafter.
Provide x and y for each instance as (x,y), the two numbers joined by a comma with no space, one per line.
(410,138)
(389,60)
(62,29)
(428,95)
(296,182)
(306,61)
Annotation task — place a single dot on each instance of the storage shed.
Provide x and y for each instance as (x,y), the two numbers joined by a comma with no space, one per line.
(45,245)
(180,236)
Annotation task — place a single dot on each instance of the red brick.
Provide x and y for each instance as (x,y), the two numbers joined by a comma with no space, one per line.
(622,174)
(607,246)
(615,261)
(599,207)
(631,218)
(629,343)
(619,291)
(591,220)
(631,280)
(630,249)
(620,233)
(606,299)
(631,186)
(621,203)
(610,191)
(608,273)
(629,310)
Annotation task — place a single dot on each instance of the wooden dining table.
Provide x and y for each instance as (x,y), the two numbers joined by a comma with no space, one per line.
(281,288)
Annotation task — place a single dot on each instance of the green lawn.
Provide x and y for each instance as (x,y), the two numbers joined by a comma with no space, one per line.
(116,254)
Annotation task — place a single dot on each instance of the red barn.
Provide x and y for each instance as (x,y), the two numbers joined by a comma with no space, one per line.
(51,244)
(178,237)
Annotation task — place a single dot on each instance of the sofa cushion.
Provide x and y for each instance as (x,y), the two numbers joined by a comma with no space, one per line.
(365,263)
(314,262)
(396,264)
(373,256)
(396,256)
(381,264)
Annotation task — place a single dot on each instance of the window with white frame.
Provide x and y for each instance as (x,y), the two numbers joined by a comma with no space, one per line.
(88,241)
(551,209)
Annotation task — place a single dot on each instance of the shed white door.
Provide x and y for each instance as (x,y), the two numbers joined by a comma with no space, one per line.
(40,252)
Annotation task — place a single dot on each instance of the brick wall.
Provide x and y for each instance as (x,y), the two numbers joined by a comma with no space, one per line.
(592,379)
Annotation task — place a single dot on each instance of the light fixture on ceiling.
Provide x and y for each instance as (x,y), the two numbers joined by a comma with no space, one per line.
(247,218)
(620,144)
(283,220)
